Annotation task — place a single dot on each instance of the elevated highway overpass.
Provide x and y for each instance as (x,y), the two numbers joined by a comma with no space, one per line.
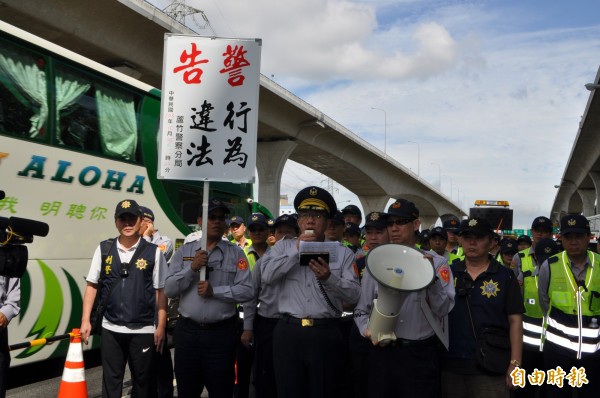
(579,188)
(129,34)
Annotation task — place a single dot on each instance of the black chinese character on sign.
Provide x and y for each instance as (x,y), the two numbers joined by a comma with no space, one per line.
(242,112)
(201,118)
(202,150)
(234,154)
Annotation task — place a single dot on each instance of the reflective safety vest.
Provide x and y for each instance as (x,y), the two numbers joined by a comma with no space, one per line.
(533,318)
(572,307)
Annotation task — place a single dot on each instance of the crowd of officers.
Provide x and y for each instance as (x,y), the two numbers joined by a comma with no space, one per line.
(253,315)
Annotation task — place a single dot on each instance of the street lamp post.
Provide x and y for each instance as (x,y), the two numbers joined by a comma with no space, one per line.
(384,128)
(418,157)
(446,175)
(439,175)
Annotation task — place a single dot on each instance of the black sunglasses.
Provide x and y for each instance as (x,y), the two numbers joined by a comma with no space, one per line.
(399,221)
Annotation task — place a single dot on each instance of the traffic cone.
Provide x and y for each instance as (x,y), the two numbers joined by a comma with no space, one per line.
(73,383)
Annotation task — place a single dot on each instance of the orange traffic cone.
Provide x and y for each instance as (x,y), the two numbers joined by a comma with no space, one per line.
(73,383)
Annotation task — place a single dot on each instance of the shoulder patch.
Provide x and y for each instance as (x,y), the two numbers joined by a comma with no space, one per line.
(242,264)
(444,273)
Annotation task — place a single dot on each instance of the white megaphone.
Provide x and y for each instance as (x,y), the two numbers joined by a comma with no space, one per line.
(398,270)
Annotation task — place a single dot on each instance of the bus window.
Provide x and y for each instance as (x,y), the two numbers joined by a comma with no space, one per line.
(94,116)
(23,92)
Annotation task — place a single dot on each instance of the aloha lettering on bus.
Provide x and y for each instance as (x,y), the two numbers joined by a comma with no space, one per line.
(88,176)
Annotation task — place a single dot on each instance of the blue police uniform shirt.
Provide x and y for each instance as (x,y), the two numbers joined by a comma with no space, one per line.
(494,295)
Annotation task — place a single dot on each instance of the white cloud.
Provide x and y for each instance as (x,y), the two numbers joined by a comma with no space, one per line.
(493,95)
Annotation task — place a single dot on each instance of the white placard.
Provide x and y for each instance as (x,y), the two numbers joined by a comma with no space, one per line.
(209,109)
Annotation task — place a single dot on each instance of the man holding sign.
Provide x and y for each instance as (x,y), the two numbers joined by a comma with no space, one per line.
(205,334)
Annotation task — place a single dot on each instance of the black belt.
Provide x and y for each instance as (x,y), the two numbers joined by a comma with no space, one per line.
(207,326)
(309,322)
(415,343)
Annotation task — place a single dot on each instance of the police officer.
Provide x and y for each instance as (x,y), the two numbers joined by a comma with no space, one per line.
(526,267)
(237,229)
(258,230)
(133,326)
(569,292)
(508,248)
(307,341)
(352,213)
(451,228)
(409,367)
(487,295)
(524,242)
(376,234)
(205,335)
(438,238)
(261,315)
(163,361)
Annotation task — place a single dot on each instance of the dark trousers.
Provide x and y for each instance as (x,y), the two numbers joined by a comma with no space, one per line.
(243,365)
(164,372)
(360,348)
(264,373)
(531,360)
(591,364)
(307,359)
(135,349)
(204,357)
(4,361)
(407,370)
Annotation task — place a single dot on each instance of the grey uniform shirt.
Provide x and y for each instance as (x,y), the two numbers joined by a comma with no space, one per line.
(164,244)
(265,300)
(10,296)
(300,295)
(544,278)
(228,274)
(412,323)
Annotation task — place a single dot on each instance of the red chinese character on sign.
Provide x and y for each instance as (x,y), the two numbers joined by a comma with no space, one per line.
(193,75)
(234,62)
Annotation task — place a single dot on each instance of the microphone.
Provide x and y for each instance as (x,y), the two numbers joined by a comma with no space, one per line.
(24,226)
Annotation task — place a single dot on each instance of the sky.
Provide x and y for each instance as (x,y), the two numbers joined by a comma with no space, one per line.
(480,98)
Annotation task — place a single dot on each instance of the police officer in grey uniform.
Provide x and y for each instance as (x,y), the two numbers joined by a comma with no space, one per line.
(205,334)
(408,367)
(307,342)
(10,306)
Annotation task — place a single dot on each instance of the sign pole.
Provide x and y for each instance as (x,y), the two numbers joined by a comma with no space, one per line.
(204,238)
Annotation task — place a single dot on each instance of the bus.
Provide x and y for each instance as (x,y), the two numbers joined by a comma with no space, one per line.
(77,137)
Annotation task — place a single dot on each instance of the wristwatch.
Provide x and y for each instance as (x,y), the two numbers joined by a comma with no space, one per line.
(515,362)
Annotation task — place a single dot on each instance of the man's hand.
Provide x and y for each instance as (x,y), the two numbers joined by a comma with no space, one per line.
(205,289)
(85,329)
(247,338)
(320,268)
(149,229)
(159,339)
(3,321)
(200,260)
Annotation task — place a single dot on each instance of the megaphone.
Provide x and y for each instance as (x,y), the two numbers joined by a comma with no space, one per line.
(398,270)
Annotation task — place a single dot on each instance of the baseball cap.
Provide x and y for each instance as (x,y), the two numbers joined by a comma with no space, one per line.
(451,225)
(509,246)
(403,208)
(147,213)
(574,223)
(288,219)
(235,220)
(351,228)
(546,248)
(127,206)
(438,231)
(376,219)
(257,219)
(542,223)
(214,204)
(338,218)
(476,226)
(352,209)
(524,238)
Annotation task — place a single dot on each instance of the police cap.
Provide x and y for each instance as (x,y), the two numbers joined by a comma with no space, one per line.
(315,198)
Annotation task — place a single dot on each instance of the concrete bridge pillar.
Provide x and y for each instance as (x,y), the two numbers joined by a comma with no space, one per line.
(270,161)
